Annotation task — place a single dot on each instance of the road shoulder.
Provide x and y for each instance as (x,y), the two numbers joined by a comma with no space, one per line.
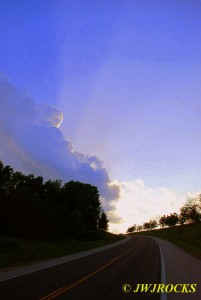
(180,267)
(20,271)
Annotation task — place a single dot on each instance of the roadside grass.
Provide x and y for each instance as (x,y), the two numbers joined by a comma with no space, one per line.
(186,236)
(15,251)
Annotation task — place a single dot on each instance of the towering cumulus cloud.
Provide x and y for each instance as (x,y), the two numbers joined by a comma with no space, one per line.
(32,142)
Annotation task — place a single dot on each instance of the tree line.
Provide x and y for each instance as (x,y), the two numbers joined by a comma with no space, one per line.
(189,213)
(33,209)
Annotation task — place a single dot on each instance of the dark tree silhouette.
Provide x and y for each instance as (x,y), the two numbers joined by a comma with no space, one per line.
(191,211)
(103,222)
(162,221)
(171,220)
(131,229)
(32,209)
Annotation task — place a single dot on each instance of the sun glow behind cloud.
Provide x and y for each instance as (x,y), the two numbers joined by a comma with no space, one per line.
(139,203)
(126,76)
(32,142)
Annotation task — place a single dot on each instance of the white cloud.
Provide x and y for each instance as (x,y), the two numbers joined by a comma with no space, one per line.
(31,141)
(139,203)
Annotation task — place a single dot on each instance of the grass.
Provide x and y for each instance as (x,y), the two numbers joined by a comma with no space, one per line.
(15,251)
(187,237)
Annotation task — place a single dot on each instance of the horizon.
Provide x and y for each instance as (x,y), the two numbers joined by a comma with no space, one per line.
(107,94)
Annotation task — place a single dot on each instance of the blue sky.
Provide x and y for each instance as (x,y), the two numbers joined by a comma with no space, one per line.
(126,76)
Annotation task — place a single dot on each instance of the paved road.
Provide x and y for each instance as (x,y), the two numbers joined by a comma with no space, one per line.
(98,276)
(180,268)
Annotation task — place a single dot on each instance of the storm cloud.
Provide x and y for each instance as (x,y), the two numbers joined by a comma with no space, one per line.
(32,142)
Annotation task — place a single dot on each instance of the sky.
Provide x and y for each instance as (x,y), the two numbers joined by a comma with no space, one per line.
(105,92)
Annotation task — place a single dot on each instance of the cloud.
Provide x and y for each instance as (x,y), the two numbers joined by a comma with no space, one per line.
(139,203)
(32,142)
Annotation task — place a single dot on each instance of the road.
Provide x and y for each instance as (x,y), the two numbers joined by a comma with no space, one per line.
(180,268)
(99,276)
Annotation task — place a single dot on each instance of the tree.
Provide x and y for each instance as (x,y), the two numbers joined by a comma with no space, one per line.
(191,211)
(171,220)
(162,221)
(85,199)
(32,209)
(146,226)
(182,220)
(6,175)
(153,224)
(103,222)
(139,227)
(150,225)
(131,229)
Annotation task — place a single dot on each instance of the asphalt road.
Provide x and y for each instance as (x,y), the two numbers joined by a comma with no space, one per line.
(98,276)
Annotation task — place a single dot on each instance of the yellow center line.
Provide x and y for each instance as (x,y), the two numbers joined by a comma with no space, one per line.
(65,289)
(53,293)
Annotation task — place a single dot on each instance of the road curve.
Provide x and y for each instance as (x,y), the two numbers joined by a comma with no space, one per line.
(181,269)
(27,269)
(99,276)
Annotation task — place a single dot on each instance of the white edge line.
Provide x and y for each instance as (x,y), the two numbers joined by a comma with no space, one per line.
(163,276)
(163,296)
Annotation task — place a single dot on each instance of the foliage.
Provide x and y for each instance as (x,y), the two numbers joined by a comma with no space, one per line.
(131,229)
(150,225)
(103,222)
(162,221)
(32,209)
(189,213)
(139,227)
(170,220)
